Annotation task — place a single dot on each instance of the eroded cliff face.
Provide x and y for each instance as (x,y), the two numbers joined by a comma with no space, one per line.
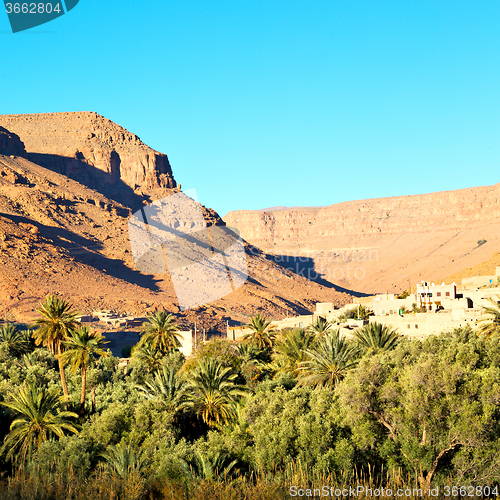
(377,245)
(92,150)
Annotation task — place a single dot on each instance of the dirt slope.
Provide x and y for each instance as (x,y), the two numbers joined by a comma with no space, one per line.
(486,268)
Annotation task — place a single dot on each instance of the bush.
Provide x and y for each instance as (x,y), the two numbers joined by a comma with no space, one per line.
(297,425)
(71,453)
(221,349)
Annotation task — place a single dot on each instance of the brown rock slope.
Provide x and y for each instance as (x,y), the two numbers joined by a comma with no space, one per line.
(58,235)
(377,245)
(10,144)
(93,150)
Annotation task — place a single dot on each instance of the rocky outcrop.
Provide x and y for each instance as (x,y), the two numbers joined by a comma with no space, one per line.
(387,240)
(92,150)
(10,144)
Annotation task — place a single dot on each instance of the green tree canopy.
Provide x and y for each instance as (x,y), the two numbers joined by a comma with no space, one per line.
(428,402)
(299,425)
(39,418)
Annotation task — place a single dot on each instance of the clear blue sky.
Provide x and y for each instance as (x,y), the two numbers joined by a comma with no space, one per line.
(264,103)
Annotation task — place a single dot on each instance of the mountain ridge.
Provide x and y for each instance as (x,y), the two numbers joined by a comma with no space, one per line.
(423,236)
(93,150)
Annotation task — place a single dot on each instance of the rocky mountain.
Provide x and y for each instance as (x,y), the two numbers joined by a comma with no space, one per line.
(59,234)
(94,151)
(378,245)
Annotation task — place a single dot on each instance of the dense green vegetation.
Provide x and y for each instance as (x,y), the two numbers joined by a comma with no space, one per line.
(243,420)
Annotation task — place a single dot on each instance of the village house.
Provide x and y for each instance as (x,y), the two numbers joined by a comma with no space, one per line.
(432,309)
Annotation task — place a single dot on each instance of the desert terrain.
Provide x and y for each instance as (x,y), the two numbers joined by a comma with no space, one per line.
(68,185)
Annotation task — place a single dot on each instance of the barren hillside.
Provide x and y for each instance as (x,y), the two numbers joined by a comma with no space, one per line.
(93,150)
(60,235)
(486,268)
(377,245)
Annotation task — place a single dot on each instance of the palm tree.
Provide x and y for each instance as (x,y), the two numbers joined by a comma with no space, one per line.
(358,312)
(490,324)
(208,468)
(240,423)
(124,460)
(252,361)
(81,349)
(249,354)
(261,335)
(364,312)
(27,361)
(146,356)
(321,325)
(160,333)
(39,419)
(14,341)
(213,392)
(290,350)
(168,387)
(57,321)
(327,361)
(376,337)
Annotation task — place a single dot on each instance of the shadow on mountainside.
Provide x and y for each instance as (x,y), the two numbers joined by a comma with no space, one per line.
(108,184)
(298,308)
(86,251)
(304,266)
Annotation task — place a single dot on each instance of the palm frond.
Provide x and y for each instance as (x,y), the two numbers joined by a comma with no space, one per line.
(327,361)
(376,337)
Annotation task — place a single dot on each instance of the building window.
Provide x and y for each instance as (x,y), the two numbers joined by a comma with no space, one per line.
(438,294)
(447,294)
(408,325)
(416,326)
